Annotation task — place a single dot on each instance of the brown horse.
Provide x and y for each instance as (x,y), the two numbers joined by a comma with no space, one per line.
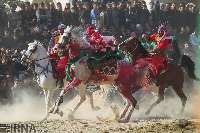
(142,76)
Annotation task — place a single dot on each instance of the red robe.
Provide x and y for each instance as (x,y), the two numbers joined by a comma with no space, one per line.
(157,63)
(160,44)
(61,66)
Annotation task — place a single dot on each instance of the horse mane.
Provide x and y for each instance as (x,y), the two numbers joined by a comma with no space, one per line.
(141,49)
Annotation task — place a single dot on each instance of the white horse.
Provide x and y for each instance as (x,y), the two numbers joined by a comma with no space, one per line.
(43,68)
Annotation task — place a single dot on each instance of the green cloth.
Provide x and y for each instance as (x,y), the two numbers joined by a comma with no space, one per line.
(95,59)
(149,44)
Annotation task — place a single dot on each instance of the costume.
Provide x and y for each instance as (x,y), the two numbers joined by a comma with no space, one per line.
(158,62)
(58,55)
(101,53)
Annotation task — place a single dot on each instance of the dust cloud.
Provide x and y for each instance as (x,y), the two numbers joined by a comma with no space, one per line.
(26,107)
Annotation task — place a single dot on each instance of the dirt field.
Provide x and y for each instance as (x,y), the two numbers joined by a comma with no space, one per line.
(142,126)
(164,119)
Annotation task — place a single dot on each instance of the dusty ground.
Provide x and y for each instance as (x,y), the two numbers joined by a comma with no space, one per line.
(142,126)
(163,119)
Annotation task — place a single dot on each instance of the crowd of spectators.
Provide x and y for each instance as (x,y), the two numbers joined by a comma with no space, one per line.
(9,55)
(118,18)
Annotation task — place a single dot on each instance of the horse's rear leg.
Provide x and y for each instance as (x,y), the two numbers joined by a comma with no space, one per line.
(182,96)
(160,99)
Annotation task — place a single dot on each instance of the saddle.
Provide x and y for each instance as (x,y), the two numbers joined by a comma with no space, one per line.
(156,63)
(102,65)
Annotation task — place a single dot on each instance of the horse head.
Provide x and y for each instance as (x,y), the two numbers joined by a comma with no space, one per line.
(132,46)
(35,50)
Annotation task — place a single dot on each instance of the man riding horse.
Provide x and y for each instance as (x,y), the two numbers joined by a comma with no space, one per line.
(58,55)
(162,41)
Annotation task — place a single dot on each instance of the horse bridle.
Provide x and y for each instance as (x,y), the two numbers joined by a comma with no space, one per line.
(124,42)
(38,65)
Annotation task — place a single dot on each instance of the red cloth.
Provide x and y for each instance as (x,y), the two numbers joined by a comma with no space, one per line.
(96,41)
(74,50)
(156,63)
(53,56)
(163,44)
(61,66)
(160,44)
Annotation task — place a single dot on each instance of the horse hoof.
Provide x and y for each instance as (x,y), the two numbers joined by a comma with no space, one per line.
(60,113)
(71,117)
(96,108)
(51,110)
(137,107)
(123,120)
(147,112)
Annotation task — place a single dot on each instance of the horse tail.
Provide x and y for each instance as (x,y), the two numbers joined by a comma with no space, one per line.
(189,66)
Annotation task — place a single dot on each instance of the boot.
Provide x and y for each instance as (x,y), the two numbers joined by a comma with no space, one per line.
(60,83)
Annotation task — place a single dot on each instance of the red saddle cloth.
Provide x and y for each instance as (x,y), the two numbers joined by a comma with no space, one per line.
(156,63)
(61,66)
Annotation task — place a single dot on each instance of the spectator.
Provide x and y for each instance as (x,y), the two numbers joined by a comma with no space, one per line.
(42,16)
(173,16)
(94,15)
(181,17)
(4,22)
(85,14)
(194,40)
(115,18)
(67,15)
(102,21)
(144,15)
(108,14)
(53,15)
(14,19)
(59,13)
(122,16)
(74,17)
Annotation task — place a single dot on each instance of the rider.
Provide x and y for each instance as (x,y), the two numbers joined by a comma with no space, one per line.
(103,46)
(55,52)
(162,39)
(161,42)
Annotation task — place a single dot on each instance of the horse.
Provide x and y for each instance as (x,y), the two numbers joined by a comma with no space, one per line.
(84,62)
(140,72)
(38,54)
(43,69)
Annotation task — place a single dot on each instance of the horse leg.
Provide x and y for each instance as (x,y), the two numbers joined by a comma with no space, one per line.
(123,114)
(160,99)
(131,102)
(90,95)
(82,93)
(182,96)
(46,103)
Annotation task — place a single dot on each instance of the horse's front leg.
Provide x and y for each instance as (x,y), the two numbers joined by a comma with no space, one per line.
(90,95)
(46,96)
(131,101)
(123,114)
(82,92)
